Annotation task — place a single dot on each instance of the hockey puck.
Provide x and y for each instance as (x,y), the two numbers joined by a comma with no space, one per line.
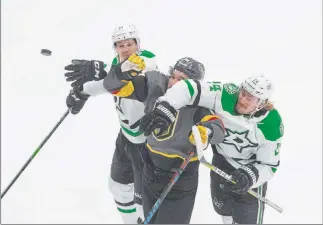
(46,52)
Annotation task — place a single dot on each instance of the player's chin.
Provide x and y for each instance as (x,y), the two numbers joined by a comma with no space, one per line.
(127,55)
(124,57)
(241,109)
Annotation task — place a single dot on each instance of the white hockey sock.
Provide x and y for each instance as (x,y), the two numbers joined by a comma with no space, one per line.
(140,211)
(123,195)
(227,220)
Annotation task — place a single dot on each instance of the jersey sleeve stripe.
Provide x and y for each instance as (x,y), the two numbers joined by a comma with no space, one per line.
(190,88)
(198,96)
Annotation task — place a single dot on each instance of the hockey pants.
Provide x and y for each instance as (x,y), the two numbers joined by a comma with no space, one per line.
(244,209)
(178,205)
(125,179)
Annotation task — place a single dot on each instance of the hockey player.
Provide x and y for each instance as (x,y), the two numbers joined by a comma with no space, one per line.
(250,151)
(88,78)
(166,148)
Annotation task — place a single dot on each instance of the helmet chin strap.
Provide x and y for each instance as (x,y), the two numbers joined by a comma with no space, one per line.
(259,107)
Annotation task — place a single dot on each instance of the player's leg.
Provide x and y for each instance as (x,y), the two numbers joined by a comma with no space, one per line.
(222,200)
(133,151)
(248,209)
(121,181)
(178,205)
(148,180)
(149,196)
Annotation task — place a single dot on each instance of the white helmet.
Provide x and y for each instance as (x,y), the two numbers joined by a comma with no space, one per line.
(259,86)
(125,31)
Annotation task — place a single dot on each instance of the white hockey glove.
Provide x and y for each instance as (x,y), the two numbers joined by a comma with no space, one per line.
(205,132)
(133,65)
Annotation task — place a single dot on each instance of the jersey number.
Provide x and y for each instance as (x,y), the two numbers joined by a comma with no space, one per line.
(215,86)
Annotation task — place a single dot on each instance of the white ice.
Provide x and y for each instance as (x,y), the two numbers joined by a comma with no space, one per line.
(67,182)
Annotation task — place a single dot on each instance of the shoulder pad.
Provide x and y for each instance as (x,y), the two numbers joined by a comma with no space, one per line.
(115,61)
(229,97)
(147,54)
(272,126)
(230,88)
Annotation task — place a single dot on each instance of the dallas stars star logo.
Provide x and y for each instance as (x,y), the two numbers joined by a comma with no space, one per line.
(239,140)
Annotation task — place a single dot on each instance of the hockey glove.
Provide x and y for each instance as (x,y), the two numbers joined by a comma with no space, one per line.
(84,71)
(161,117)
(76,100)
(206,133)
(245,177)
(130,68)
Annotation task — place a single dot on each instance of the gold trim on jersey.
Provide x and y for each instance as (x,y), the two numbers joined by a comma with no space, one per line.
(209,117)
(172,156)
(126,90)
(213,117)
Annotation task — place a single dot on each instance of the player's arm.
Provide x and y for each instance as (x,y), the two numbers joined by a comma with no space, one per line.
(120,80)
(90,76)
(129,79)
(268,160)
(258,172)
(150,61)
(94,88)
(210,127)
(185,92)
(81,72)
(268,153)
(124,79)
(86,76)
(191,92)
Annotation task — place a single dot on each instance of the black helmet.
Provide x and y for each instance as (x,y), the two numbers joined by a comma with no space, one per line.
(192,68)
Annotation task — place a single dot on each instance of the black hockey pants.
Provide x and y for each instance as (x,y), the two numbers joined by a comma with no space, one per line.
(178,205)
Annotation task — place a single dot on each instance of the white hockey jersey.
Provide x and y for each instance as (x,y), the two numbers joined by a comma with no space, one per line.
(254,140)
(129,111)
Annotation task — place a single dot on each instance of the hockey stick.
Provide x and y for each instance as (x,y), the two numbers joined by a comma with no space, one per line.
(35,153)
(202,159)
(169,186)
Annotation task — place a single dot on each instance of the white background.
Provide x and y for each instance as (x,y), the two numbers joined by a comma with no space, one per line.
(67,181)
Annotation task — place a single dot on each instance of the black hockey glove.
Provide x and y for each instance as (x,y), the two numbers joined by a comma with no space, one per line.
(76,100)
(245,177)
(162,116)
(84,71)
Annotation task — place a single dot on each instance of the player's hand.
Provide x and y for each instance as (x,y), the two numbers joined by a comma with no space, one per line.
(133,65)
(161,117)
(206,133)
(83,71)
(211,130)
(76,100)
(245,177)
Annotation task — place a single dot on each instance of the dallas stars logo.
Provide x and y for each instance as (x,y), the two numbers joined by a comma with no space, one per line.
(239,140)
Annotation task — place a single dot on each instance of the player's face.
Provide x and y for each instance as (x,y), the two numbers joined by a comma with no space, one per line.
(126,48)
(175,77)
(247,103)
